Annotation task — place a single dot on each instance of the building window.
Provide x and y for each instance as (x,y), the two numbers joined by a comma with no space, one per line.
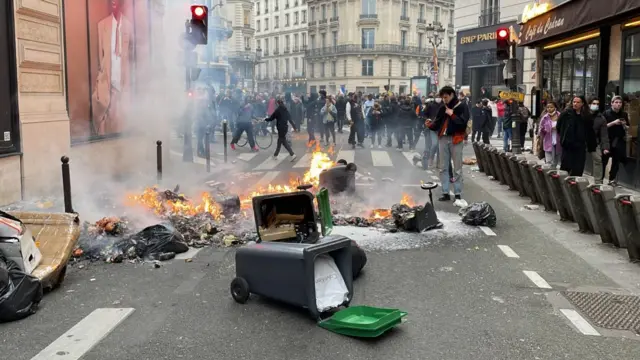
(312,41)
(368,38)
(420,41)
(286,20)
(367,67)
(333,68)
(451,17)
(304,40)
(276,43)
(324,12)
(420,69)
(287,43)
(258,25)
(567,73)
(390,67)
(489,13)
(266,24)
(324,40)
(334,10)
(266,6)
(295,18)
(631,86)
(276,22)
(436,14)
(421,12)
(295,64)
(277,67)
(266,47)
(304,16)
(295,42)
(403,38)
(405,9)
(286,68)
(312,14)
(403,68)
(322,67)
(344,68)
(247,43)
(368,7)
(451,42)
(247,17)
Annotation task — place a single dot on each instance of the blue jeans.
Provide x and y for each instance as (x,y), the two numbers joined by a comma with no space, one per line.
(499,126)
(430,148)
(507,137)
(449,152)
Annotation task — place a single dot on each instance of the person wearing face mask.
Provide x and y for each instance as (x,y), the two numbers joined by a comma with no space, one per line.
(602,137)
(617,124)
(575,128)
(430,136)
(549,134)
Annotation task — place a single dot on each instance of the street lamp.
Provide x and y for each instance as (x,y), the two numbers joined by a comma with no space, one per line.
(256,62)
(435,35)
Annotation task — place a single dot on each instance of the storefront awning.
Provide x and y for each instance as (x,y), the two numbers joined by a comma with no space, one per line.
(571,16)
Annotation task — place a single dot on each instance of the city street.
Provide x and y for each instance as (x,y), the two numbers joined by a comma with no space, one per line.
(470,292)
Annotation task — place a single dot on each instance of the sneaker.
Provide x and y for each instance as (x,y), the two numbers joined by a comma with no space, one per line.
(255,149)
(353,146)
(613,183)
(458,197)
(275,158)
(232,146)
(445,197)
(361,146)
(379,146)
(294,157)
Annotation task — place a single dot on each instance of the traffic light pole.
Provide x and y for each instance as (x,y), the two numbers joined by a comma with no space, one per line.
(516,146)
(187,150)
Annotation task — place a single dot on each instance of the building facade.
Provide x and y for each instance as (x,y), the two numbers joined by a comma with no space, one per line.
(589,48)
(241,51)
(50,104)
(367,44)
(281,34)
(476,24)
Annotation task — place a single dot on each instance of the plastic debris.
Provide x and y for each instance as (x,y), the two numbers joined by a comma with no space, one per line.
(478,214)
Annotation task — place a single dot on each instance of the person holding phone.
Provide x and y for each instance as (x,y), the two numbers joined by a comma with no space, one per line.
(617,124)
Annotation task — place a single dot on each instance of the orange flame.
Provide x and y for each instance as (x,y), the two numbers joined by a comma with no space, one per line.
(152,199)
(407,200)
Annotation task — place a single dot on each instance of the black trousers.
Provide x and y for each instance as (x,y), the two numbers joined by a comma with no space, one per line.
(357,130)
(242,127)
(341,118)
(330,129)
(617,157)
(480,134)
(311,128)
(391,129)
(406,132)
(573,161)
(282,141)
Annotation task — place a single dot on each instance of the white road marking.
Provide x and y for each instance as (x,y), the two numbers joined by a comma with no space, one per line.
(192,252)
(84,335)
(304,162)
(409,155)
(579,322)
(381,158)
(508,251)
(270,163)
(267,178)
(348,155)
(247,156)
(537,279)
(366,184)
(487,231)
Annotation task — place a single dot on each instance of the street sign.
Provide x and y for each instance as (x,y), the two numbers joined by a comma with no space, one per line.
(506,95)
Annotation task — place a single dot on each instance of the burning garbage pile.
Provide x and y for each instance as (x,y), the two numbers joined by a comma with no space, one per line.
(403,216)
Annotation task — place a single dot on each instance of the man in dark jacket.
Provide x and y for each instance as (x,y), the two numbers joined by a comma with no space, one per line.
(451,125)
(244,123)
(356,121)
(390,111)
(602,138)
(341,107)
(311,116)
(575,128)
(479,118)
(407,119)
(297,112)
(283,119)
(617,123)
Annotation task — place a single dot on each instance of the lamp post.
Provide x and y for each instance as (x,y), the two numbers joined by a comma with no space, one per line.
(435,35)
(256,61)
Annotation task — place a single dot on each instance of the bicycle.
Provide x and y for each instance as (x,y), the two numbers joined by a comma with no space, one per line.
(262,137)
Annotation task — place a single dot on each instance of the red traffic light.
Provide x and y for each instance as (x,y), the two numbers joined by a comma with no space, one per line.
(198,11)
(503,33)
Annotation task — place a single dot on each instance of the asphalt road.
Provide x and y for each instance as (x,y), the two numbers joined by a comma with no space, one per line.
(471,293)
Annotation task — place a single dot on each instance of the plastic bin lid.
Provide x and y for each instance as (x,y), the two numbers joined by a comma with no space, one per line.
(363,321)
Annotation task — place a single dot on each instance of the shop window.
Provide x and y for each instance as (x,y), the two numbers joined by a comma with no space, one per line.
(631,86)
(9,126)
(570,72)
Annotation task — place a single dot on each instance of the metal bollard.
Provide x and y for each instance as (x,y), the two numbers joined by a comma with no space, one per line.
(514,166)
(583,212)
(506,169)
(488,165)
(527,180)
(159,160)
(603,201)
(556,179)
(66,185)
(543,187)
(207,149)
(533,175)
(479,159)
(628,208)
(224,138)
(497,167)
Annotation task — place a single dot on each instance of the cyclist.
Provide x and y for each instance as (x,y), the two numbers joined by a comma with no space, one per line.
(283,119)
(244,123)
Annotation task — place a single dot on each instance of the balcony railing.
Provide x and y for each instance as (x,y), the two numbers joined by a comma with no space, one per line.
(489,17)
(322,22)
(295,3)
(286,50)
(248,26)
(368,16)
(422,21)
(312,23)
(404,18)
(356,49)
(296,49)
(286,6)
(276,8)
(276,52)
(334,19)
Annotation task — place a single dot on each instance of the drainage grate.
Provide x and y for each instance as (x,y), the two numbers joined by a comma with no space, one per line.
(606,310)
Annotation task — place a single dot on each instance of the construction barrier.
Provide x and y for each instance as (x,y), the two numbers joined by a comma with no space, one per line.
(628,208)
(603,201)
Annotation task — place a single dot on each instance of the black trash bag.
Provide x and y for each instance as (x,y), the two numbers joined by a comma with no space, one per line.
(20,293)
(359,259)
(478,214)
(158,239)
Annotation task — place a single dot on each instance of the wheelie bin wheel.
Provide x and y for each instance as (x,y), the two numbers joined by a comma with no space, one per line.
(240,290)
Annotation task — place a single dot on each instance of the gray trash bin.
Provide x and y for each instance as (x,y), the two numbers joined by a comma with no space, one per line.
(297,204)
(506,169)
(285,271)
(603,201)
(628,209)
(556,184)
(516,173)
(540,180)
(527,180)
(479,159)
(584,214)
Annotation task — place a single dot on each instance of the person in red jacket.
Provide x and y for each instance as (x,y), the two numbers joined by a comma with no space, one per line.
(500,106)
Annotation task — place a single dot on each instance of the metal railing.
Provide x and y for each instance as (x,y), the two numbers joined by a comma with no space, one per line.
(404,18)
(422,21)
(357,49)
(286,49)
(312,23)
(489,17)
(368,16)
(334,19)
(322,22)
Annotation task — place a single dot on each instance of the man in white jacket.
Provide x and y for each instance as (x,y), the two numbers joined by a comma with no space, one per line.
(494,115)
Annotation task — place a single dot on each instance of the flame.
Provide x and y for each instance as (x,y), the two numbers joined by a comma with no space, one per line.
(152,199)
(407,200)
(380,214)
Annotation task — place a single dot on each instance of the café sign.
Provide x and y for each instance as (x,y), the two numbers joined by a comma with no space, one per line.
(541,29)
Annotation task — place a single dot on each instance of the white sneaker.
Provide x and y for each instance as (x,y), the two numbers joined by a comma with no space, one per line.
(275,158)
(294,157)
(379,146)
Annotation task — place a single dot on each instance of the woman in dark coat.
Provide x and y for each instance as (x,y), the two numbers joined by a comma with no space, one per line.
(575,128)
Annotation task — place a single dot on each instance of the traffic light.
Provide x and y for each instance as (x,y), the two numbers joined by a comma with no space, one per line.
(199,24)
(502,44)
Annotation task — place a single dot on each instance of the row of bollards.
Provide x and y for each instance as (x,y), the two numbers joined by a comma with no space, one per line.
(596,208)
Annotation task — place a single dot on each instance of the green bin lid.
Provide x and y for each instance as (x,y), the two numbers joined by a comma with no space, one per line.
(363,321)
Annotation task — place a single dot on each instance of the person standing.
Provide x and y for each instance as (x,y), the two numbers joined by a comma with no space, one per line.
(524,121)
(602,138)
(451,125)
(366,107)
(478,121)
(311,116)
(430,136)
(296,113)
(494,116)
(391,119)
(376,125)
(549,135)
(407,119)
(617,124)
(500,107)
(341,107)
(329,114)
(282,119)
(356,122)
(575,128)
(244,123)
